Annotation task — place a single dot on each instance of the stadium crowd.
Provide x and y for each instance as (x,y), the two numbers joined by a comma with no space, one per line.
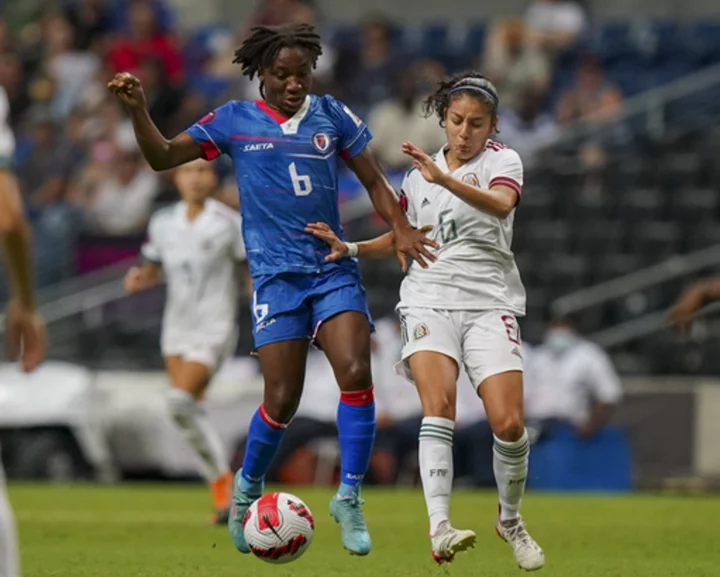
(87,188)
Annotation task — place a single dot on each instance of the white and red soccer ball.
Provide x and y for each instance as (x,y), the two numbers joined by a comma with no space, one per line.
(279,528)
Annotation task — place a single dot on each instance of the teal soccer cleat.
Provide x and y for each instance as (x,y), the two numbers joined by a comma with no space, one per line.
(347,512)
(241,501)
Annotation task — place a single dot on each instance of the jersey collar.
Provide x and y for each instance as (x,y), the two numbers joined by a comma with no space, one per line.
(287,125)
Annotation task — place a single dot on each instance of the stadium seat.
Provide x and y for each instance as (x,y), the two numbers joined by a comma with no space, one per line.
(563,462)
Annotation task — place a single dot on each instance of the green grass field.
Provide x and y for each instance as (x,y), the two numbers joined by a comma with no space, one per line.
(158,531)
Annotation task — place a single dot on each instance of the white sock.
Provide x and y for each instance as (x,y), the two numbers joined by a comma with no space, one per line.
(436,467)
(510,463)
(9,564)
(199,433)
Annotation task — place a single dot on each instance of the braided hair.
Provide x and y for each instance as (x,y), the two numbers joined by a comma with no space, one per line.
(261,48)
(465,83)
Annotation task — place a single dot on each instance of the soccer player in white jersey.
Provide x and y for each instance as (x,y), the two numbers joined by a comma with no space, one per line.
(25,333)
(197,244)
(462,308)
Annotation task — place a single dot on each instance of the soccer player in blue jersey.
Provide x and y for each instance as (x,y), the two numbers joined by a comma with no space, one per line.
(284,148)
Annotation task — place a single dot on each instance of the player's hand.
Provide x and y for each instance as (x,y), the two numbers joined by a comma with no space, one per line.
(25,336)
(681,313)
(426,165)
(128,90)
(338,249)
(135,281)
(413,242)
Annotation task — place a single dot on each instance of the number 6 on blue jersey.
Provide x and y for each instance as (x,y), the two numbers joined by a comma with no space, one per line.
(301,182)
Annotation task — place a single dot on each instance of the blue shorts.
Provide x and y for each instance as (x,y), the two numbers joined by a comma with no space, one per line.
(292,306)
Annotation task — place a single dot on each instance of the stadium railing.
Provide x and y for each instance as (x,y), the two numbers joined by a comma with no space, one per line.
(676,267)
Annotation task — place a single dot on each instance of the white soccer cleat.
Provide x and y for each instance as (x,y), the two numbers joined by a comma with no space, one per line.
(447,541)
(528,554)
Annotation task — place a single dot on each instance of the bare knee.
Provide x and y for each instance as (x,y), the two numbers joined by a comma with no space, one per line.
(281,401)
(510,427)
(355,376)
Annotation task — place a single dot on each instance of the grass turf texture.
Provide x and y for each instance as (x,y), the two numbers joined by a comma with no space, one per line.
(158,531)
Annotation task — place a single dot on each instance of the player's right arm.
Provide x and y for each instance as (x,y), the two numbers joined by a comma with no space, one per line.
(692,300)
(161,154)
(147,275)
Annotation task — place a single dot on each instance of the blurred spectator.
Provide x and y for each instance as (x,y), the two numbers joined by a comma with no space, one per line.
(570,380)
(12,78)
(592,98)
(143,40)
(555,24)
(118,189)
(367,76)
(514,64)
(164,99)
(528,130)
(68,69)
(401,118)
(45,172)
(90,22)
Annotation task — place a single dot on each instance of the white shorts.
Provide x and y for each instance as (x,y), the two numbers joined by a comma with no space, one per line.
(208,350)
(487,343)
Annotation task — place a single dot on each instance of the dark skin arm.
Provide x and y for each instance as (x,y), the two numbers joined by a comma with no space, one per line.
(692,300)
(377,248)
(408,241)
(161,154)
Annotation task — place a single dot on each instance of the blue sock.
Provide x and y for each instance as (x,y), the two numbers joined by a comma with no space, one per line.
(264,437)
(356,435)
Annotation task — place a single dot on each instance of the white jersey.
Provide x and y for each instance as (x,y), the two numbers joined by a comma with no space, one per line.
(475,267)
(199,261)
(7,140)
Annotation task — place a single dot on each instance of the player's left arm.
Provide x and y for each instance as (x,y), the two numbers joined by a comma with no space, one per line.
(498,200)
(701,293)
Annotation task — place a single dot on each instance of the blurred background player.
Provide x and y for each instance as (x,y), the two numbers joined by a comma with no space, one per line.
(462,308)
(284,150)
(197,243)
(25,333)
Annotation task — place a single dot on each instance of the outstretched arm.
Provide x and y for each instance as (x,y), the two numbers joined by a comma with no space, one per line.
(161,154)
(692,300)
(377,248)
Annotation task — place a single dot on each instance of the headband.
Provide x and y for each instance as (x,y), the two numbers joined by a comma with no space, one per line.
(471,84)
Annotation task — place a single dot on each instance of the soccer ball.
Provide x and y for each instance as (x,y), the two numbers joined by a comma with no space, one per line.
(279,528)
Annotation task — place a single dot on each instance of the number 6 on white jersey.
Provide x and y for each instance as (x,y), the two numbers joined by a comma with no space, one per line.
(301,182)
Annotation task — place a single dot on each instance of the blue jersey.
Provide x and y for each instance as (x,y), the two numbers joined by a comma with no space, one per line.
(286,170)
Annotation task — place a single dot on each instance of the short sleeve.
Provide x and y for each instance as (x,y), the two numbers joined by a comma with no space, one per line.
(213,132)
(507,170)
(239,244)
(406,199)
(354,133)
(151,251)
